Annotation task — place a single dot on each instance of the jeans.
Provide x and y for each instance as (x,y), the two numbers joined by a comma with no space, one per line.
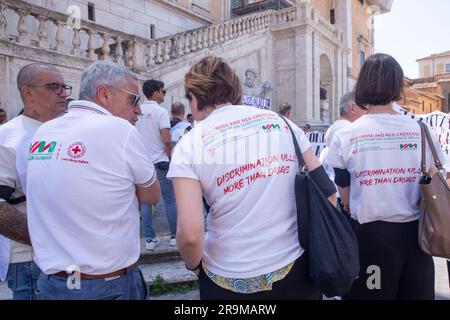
(22,280)
(129,286)
(168,196)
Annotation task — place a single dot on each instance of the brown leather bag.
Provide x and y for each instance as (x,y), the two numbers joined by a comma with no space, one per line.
(434,221)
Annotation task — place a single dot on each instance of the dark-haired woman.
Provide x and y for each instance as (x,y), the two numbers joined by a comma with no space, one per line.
(377,161)
(242,160)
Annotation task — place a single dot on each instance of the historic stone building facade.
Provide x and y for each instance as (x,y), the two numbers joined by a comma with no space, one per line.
(308,50)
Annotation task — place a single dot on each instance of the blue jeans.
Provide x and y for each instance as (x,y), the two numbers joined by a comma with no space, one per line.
(130,286)
(169,203)
(22,280)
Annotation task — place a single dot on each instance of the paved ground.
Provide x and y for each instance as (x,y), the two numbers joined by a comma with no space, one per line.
(442,282)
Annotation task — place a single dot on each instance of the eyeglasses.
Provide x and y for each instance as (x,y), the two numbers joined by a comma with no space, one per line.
(56,87)
(137,97)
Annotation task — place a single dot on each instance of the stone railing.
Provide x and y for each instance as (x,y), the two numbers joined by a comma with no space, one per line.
(327,26)
(284,16)
(94,42)
(33,26)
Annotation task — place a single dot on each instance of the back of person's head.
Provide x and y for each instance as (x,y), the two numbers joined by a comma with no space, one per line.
(177,109)
(346,101)
(3,117)
(213,82)
(284,109)
(100,73)
(151,86)
(380,81)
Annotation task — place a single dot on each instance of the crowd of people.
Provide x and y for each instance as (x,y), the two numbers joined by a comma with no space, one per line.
(75,180)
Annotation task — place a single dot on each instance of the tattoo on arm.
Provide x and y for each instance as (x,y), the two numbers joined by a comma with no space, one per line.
(13,224)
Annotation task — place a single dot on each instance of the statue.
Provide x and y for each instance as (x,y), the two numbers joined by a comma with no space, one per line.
(254,88)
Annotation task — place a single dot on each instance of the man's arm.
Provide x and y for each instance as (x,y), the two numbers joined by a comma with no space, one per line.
(167,140)
(149,195)
(13,224)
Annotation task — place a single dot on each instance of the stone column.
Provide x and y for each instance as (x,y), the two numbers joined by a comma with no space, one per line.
(304,92)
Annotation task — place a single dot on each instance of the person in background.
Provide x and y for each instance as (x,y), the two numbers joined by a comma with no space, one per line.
(179,126)
(251,249)
(43,93)
(349,112)
(190,119)
(3,117)
(381,181)
(154,127)
(307,128)
(285,110)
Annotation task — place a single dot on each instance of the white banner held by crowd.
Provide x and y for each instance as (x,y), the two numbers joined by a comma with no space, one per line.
(440,124)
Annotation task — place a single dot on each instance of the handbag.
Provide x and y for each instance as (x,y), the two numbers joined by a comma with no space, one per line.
(434,219)
(325,234)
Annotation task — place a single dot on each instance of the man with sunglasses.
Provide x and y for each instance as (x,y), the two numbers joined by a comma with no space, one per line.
(85,218)
(154,126)
(44,94)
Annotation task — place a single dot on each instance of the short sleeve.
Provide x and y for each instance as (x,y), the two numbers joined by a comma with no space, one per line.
(8,172)
(164,121)
(334,156)
(182,163)
(138,163)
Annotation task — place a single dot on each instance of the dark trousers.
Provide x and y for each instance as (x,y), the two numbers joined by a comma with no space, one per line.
(297,285)
(393,267)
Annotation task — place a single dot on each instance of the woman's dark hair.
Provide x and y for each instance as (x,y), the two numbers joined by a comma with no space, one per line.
(380,81)
(213,82)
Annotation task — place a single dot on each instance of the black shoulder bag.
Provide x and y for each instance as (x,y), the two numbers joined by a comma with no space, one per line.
(325,234)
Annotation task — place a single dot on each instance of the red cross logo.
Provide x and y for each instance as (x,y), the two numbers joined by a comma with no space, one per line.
(76,150)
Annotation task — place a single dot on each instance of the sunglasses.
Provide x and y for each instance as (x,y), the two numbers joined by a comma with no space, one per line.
(137,98)
(56,87)
(163,91)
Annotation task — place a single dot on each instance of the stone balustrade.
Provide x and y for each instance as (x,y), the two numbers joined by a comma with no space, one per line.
(328,27)
(63,34)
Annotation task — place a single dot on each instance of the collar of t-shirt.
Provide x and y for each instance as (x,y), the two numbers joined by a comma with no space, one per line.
(87,106)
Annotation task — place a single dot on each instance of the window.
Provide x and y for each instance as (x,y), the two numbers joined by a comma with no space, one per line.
(152,31)
(362,57)
(91,11)
(332,16)
(447,68)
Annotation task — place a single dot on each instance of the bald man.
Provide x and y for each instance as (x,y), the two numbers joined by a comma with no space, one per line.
(44,93)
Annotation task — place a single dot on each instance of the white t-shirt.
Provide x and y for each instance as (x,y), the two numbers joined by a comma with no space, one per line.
(339,124)
(178,131)
(382,153)
(153,119)
(245,160)
(83,210)
(15,137)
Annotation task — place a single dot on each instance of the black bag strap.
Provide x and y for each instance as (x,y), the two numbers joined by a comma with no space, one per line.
(298,153)
(300,194)
(426,136)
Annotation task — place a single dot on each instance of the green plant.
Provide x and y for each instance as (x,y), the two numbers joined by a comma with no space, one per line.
(161,287)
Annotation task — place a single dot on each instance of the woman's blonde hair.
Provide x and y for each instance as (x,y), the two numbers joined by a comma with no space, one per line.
(213,82)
